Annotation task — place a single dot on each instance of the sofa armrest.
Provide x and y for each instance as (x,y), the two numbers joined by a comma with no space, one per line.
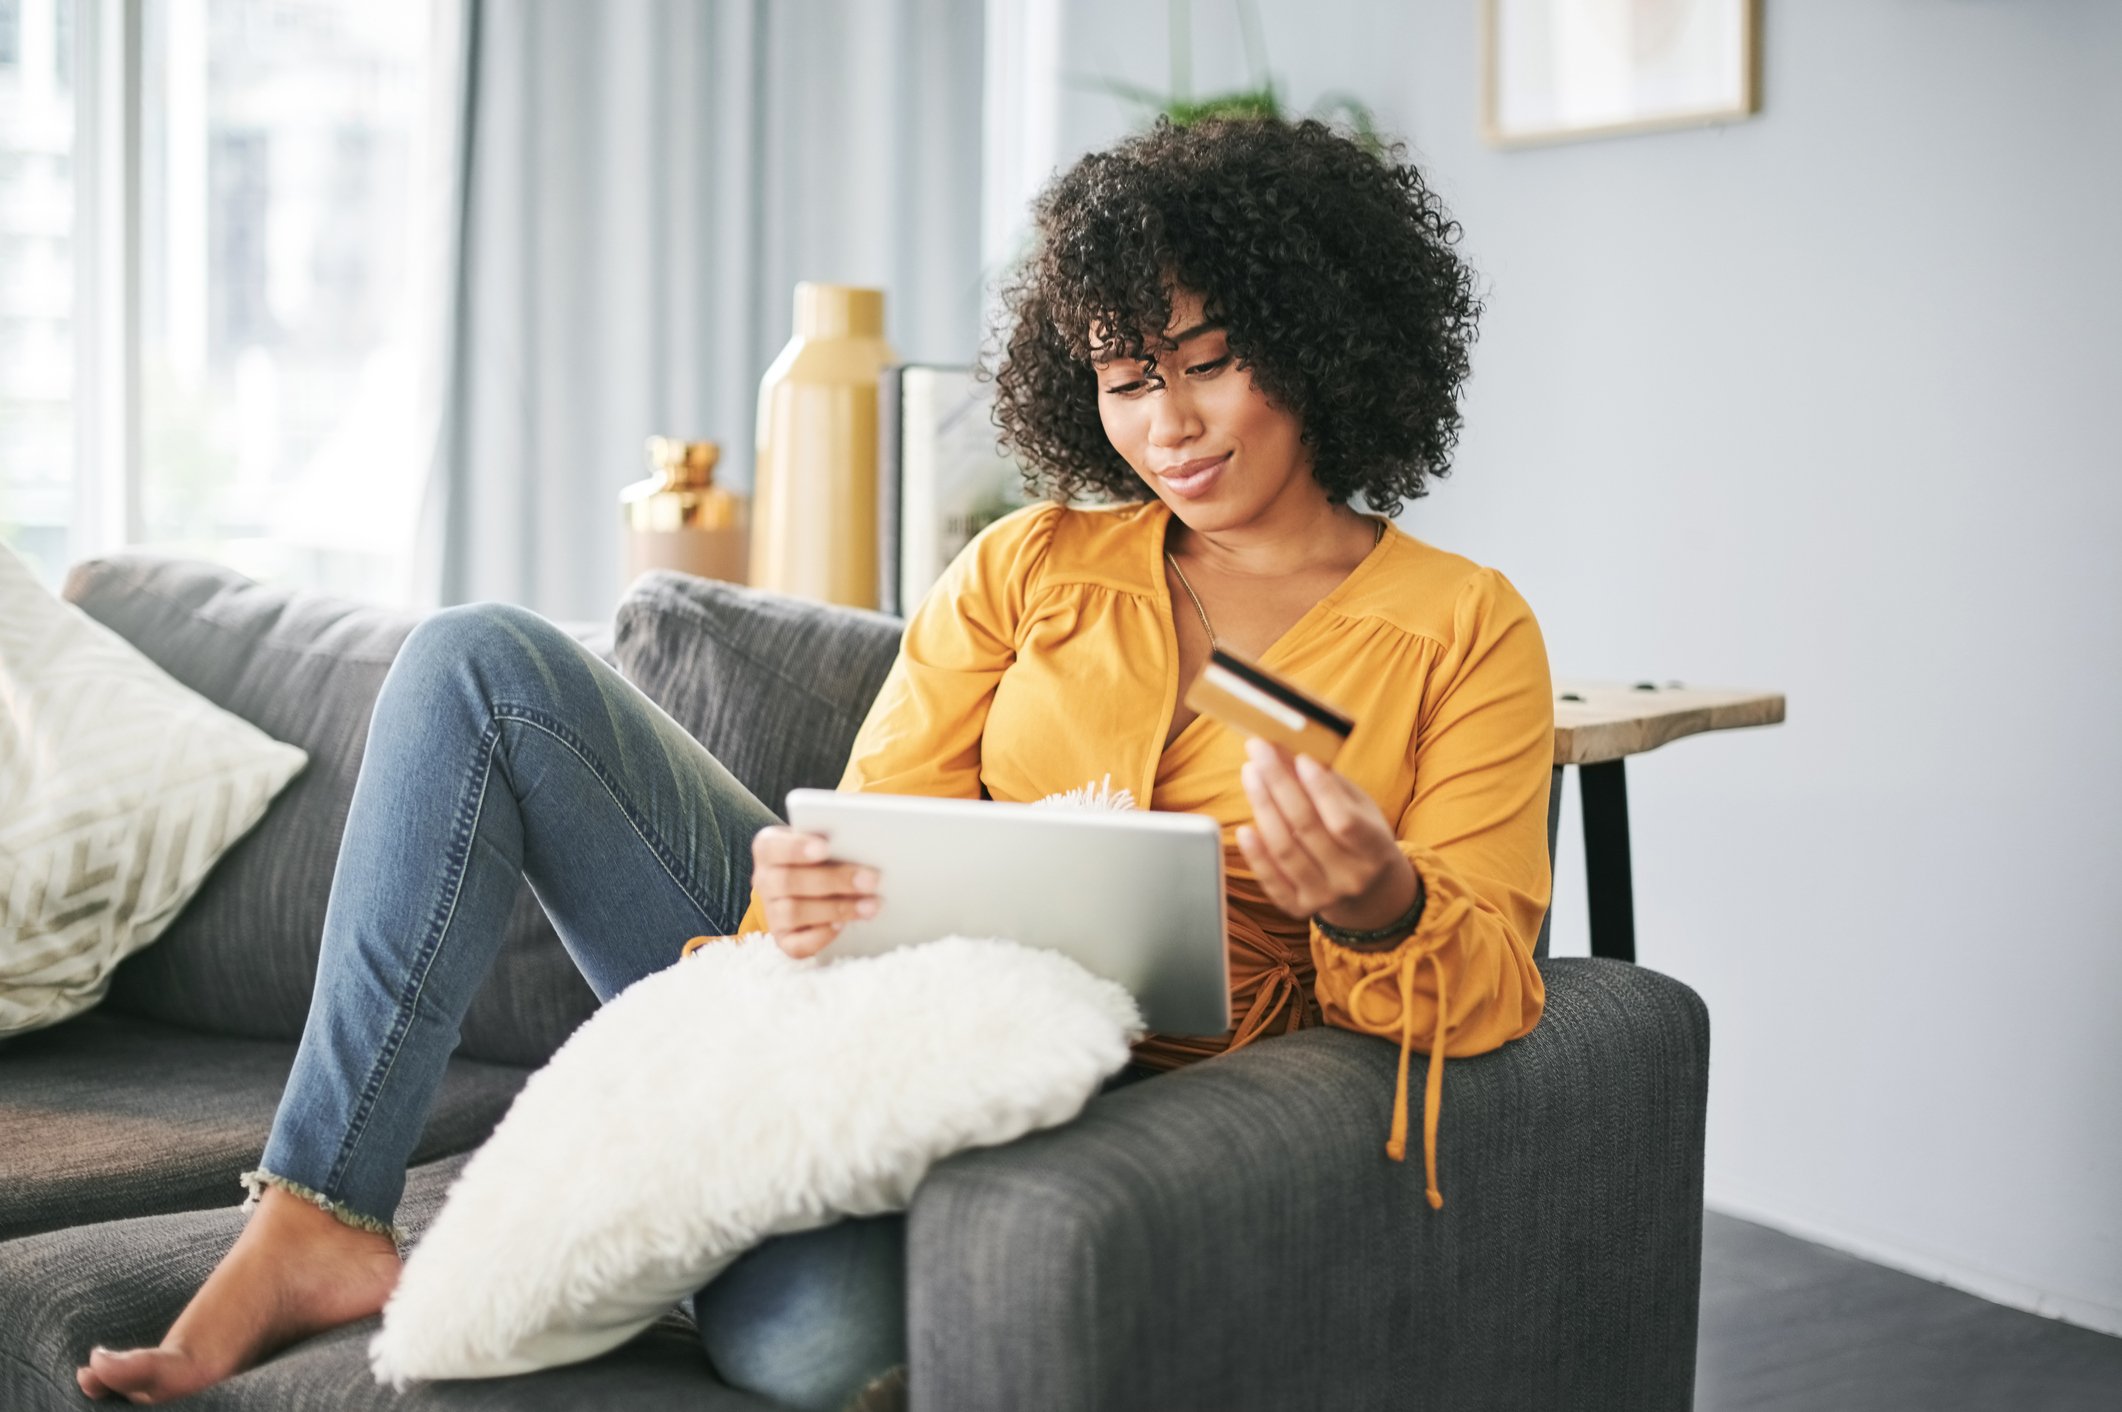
(1233,1235)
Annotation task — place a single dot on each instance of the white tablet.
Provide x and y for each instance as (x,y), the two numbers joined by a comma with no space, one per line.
(1134,895)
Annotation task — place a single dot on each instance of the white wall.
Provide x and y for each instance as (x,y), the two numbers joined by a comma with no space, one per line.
(1827,403)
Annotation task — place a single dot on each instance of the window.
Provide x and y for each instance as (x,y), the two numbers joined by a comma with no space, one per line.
(273,180)
(36,281)
(277,177)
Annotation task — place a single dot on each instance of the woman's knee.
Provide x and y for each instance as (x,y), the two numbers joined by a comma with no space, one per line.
(485,638)
(810,1318)
(465,628)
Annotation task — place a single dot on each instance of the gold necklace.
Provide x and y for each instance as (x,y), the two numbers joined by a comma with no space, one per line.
(1209,627)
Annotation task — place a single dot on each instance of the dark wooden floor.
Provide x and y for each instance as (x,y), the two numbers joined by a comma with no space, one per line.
(1789,1326)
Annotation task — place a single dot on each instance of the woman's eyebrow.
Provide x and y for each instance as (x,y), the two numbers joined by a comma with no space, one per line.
(1099,359)
(1195,332)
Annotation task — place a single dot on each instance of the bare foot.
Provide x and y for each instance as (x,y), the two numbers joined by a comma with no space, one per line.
(296,1270)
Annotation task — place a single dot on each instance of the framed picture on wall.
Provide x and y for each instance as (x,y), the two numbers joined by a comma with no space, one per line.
(941,478)
(1557,70)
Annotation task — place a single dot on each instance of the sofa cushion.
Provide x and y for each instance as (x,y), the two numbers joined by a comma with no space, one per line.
(723,659)
(121,1283)
(121,790)
(108,1116)
(304,667)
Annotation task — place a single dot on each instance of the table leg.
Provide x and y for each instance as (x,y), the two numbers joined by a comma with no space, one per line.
(1554,820)
(1610,896)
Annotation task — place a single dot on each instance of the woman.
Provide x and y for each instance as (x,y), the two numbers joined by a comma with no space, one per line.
(1229,329)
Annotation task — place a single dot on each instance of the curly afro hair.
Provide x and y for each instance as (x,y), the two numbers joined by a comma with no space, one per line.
(1330,266)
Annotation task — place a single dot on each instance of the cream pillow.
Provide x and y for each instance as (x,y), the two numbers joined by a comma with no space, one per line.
(119,789)
(736,1095)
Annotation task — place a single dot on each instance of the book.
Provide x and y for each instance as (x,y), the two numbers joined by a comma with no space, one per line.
(942,476)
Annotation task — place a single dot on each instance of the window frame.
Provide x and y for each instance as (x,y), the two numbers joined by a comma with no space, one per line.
(106,249)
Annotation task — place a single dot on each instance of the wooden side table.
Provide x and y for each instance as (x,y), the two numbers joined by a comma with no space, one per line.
(1598,725)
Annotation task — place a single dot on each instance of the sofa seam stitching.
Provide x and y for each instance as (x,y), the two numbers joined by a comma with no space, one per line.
(40,1374)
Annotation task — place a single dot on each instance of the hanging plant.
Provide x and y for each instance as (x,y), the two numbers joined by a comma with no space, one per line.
(1260,100)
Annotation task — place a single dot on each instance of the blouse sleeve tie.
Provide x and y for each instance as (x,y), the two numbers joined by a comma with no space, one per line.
(1441,929)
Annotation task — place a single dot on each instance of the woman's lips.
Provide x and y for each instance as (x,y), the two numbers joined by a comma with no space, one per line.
(1198,482)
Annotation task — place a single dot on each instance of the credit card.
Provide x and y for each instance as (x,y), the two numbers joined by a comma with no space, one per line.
(1247,697)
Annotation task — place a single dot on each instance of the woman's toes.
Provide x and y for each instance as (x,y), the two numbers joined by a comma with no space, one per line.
(145,1374)
(91,1386)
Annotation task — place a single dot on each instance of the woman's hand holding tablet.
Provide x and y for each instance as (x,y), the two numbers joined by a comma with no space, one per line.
(1133,895)
(807,896)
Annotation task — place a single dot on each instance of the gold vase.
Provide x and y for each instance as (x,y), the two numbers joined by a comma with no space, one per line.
(680,519)
(814,485)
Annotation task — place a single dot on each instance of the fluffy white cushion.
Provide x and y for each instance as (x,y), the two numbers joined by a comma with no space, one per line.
(737,1095)
(119,789)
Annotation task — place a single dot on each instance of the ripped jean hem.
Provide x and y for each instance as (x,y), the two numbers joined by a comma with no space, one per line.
(255,1182)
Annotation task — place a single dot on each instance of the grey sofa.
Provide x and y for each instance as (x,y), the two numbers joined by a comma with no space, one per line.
(1228,1236)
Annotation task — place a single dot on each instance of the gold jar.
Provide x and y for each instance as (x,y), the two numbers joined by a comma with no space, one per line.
(680,519)
(814,484)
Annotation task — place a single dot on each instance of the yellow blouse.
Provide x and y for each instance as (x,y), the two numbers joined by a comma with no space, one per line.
(1045,659)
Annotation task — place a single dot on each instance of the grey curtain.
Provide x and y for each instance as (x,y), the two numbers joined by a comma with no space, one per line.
(642,184)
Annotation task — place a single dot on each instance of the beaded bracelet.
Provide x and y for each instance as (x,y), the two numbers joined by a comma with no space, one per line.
(1405,925)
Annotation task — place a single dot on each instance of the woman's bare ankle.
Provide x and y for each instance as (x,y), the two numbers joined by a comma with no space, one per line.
(293,1216)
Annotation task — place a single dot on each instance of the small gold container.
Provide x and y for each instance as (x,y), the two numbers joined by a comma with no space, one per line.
(680,519)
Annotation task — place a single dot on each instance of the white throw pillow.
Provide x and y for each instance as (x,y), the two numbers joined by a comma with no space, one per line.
(120,788)
(736,1095)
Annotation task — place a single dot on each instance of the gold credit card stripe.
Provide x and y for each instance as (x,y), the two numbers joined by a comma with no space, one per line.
(1257,699)
(1282,690)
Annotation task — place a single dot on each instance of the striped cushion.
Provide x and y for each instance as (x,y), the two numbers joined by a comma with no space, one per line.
(123,788)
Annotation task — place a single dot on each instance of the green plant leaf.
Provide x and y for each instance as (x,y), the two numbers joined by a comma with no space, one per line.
(1359,117)
(1240,103)
(1134,93)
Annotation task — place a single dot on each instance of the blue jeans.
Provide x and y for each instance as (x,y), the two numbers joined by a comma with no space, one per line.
(501,749)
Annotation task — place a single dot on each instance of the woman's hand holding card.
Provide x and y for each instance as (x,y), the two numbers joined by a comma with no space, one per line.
(1319,844)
